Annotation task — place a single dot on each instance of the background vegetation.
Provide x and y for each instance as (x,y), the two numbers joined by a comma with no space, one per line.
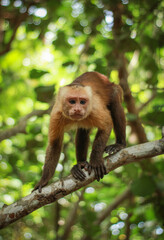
(46,44)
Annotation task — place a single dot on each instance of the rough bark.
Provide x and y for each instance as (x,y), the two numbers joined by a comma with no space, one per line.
(67,185)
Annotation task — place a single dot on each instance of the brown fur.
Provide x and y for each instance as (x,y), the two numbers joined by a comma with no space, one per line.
(101,108)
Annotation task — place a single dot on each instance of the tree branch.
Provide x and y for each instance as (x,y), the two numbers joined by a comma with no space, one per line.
(128,230)
(67,185)
(107,211)
(123,75)
(154,94)
(126,194)
(21,126)
(72,217)
(18,19)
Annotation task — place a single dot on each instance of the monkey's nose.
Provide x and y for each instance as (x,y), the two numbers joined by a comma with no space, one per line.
(77,110)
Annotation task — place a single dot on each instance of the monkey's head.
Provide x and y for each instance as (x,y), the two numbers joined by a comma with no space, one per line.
(76,101)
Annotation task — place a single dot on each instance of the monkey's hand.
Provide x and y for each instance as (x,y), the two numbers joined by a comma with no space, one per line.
(77,172)
(114,148)
(99,169)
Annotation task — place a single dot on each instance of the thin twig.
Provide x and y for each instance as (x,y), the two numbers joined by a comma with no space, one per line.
(21,126)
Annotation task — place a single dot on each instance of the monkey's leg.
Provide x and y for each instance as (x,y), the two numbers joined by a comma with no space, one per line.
(96,160)
(82,142)
(52,157)
(119,122)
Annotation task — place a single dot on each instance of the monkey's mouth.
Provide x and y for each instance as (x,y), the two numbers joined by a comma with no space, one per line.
(76,116)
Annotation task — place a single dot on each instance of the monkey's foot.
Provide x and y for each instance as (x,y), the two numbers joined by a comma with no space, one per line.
(40,185)
(77,172)
(99,169)
(114,148)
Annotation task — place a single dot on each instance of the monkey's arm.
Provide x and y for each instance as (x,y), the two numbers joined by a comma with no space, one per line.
(53,150)
(119,122)
(82,141)
(96,160)
(52,157)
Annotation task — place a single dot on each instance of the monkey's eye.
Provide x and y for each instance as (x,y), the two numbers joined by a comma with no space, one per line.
(83,102)
(72,101)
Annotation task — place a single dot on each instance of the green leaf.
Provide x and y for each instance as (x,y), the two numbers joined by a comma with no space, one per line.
(156,117)
(143,186)
(91,50)
(66,64)
(44,93)
(33,128)
(61,42)
(129,45)
(131,117)
(131,170)
(36,73)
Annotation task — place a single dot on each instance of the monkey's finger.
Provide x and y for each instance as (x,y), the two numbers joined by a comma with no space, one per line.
(40,188)
(95,171)
(75,170)
(109,149)
(75,175)
(89,169)
(81,172)
(97,174)
(81,175)
(100,173)
(105,171)
(114,148)
(36,187)
(41,184)
(78,174)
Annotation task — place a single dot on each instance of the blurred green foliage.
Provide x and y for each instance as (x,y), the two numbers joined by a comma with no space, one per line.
(46,44)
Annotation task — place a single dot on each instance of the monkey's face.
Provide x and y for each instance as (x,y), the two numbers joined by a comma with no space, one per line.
(77,103)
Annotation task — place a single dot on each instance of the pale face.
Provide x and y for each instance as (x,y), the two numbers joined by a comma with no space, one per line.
(77,102)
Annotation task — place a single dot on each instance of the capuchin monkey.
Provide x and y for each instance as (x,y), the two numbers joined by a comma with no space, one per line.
(90,101)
